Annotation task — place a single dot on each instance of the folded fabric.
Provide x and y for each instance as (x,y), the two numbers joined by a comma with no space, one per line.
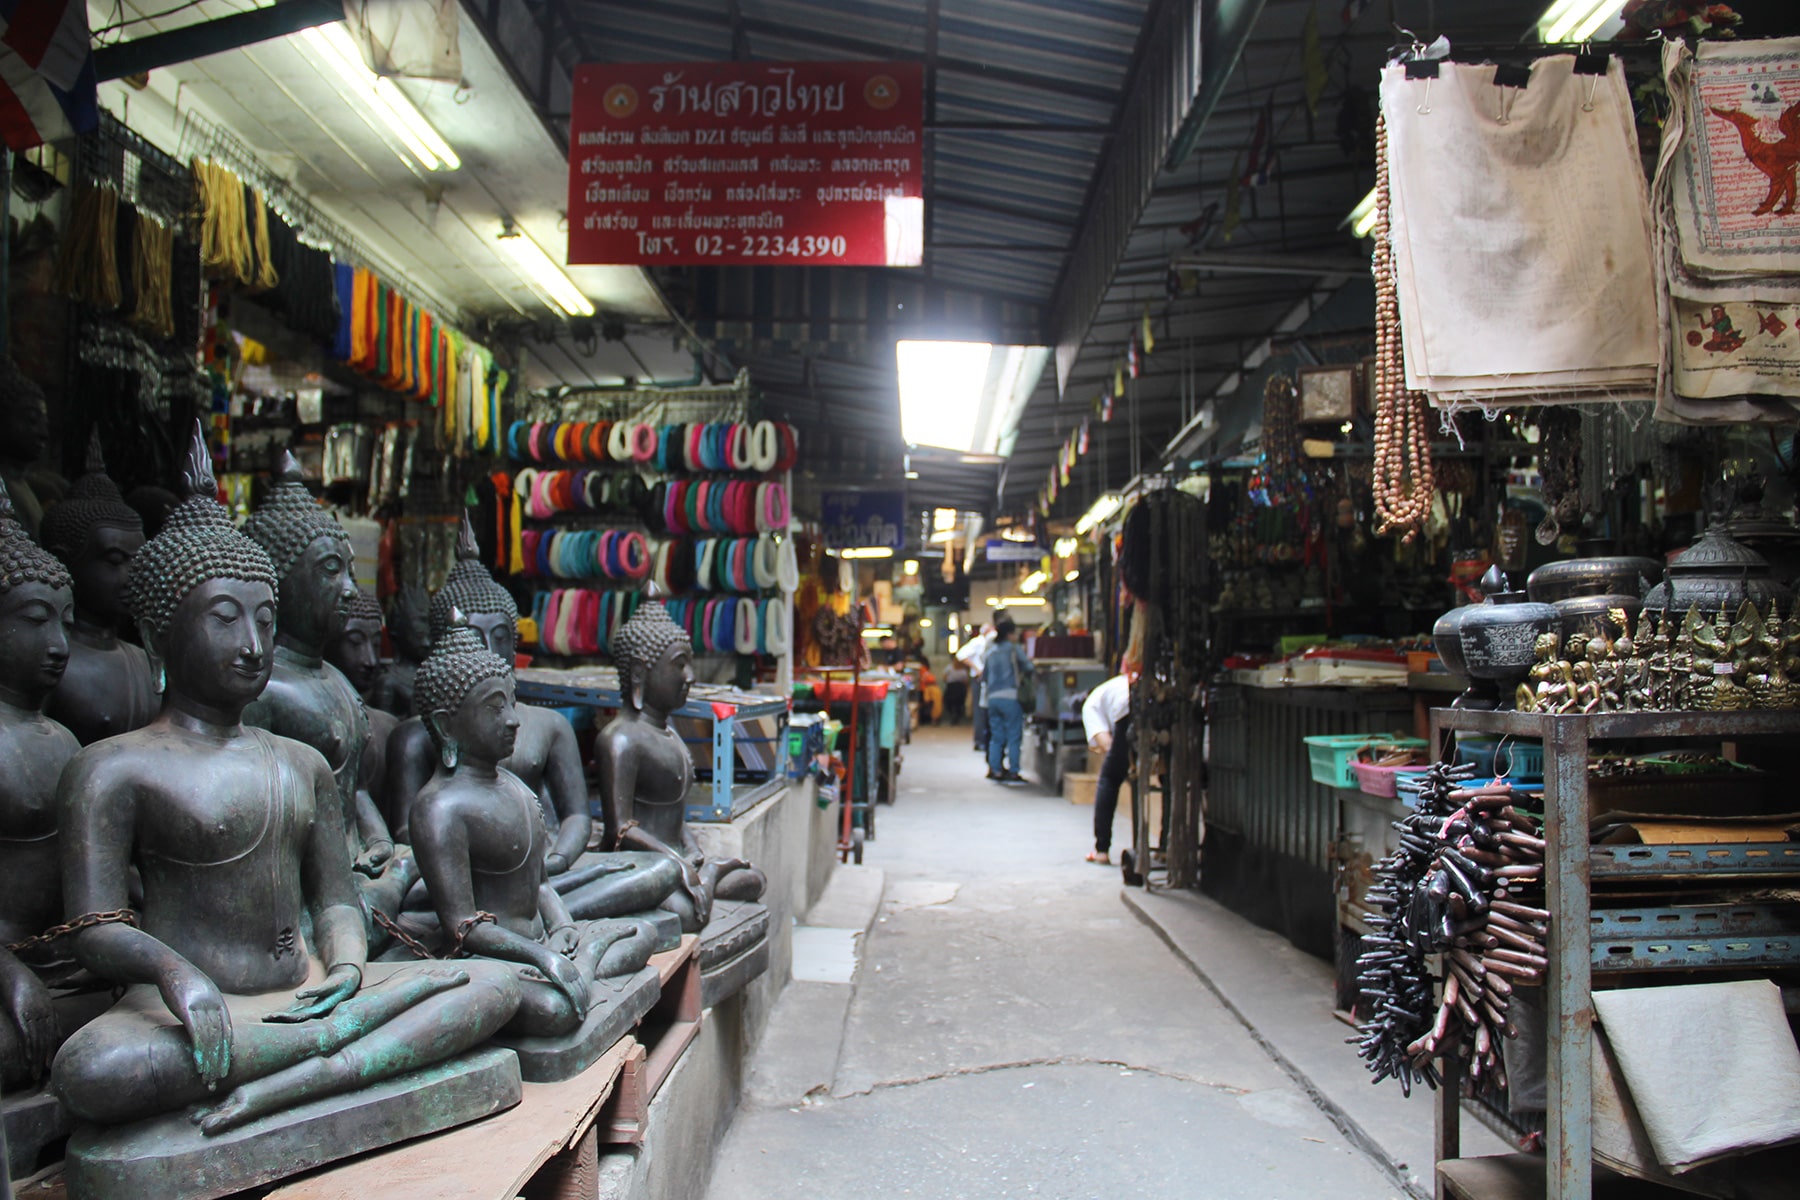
(1521,232)
(1728,232)
(1711,1068)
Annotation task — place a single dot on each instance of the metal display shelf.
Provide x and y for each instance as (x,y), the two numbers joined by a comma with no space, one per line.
(733,722)
(1694,937)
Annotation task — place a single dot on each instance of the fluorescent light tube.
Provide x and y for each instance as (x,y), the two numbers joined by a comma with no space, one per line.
(380,96)
(1103,508)
(868,552)
(541,270)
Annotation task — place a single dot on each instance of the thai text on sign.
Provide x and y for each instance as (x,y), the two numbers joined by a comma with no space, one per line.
(747,163)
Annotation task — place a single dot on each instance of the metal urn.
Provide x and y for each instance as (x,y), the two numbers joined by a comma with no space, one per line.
(1716,573)
(1491,644)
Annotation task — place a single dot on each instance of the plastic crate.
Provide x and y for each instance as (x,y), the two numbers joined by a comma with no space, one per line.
(1329,754)
(1518,759)
(1381,781)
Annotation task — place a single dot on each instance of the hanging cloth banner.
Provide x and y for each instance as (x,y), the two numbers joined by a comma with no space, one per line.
(414,38)
(47,88)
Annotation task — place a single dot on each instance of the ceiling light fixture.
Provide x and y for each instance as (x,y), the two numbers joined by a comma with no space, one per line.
(382,97)
(910,567)
(541,271)
(965,396)
(1032,582)
(1066,546)
(1023,602)
(1072,576)
(868,552)
(1102,508)
(1576,20)
(925,623)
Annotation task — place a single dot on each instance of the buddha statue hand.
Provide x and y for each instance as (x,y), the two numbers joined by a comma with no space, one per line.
(25,1002)
(338,986)
(565,940)
(200,1007)
(374,858)
(561,969)
(555,864)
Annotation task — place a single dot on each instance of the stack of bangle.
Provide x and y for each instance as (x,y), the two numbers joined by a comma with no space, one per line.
(760,447)
(721,506)
(546,493)
(576,621)
(622,554)
(744,564)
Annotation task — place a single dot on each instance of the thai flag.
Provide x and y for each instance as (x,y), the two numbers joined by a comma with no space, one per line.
(47,88)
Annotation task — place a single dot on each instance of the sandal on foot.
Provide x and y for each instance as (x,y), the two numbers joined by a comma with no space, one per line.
(1099,856)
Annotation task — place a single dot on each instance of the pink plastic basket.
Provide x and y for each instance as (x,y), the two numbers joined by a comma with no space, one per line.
(1380,781)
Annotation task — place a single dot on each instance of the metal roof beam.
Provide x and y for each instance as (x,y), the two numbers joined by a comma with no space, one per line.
(216,36)
(1165,80)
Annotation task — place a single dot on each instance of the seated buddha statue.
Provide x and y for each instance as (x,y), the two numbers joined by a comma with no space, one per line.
(308,699)
(247,988)
(546,757)
(481,840)
(356,651)
(409,624)
(109,687)
(35,608)
(24,435)
(645,768)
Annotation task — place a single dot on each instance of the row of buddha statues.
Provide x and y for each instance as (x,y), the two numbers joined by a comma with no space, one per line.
(1723,662)
(295,895)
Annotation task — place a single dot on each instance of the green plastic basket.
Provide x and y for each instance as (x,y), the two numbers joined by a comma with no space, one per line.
(1329,754)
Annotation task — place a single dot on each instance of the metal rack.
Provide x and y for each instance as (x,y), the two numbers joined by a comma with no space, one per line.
(1724,936)
(731,720)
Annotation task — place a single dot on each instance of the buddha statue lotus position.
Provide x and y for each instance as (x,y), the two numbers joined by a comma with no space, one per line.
(308,699)
(109,687)
(247,985)
(35,609)
(481,840)
(645,769)
(545,758)
(356,651)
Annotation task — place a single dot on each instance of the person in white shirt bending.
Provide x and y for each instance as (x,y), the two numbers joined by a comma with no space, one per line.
(1106,718)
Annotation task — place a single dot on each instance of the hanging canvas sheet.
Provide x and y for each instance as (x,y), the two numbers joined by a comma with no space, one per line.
(1522,236)
(1728,232)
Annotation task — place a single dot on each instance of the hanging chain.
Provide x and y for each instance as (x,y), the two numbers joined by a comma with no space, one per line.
(1403,480)
(420,949)
(85,921)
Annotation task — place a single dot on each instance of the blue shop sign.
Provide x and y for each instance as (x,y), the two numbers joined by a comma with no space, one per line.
(855,520)
(1005,550)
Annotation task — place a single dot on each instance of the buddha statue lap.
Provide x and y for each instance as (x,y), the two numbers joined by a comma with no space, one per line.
(36,607)
(356,651)
(248,994)
(108,687)
(545,757)
(481,840)
(308,699)
(645,773)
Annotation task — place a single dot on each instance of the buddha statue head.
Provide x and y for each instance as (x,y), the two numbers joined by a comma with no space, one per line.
(464,694)
(409,623)
(96,535)
(312,558)
(24,418)
(656,662)
(356,651)
(36,606)
(489,608)
(203,596)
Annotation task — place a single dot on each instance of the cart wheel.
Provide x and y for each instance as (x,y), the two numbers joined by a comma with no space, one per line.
(856,846)
(1127,861)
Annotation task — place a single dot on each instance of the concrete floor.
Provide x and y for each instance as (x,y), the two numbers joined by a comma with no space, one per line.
(1012,1029)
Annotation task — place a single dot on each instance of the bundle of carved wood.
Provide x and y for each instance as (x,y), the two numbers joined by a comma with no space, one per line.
(1464,883)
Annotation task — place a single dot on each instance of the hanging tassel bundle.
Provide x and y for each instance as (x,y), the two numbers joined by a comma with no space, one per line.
(87,269)
(226,251)
(152,277)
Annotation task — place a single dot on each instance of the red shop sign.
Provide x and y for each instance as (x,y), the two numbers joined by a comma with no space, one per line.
(817,164)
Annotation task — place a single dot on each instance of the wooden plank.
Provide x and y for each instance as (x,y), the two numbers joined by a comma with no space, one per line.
(663,1037)
(488,1159)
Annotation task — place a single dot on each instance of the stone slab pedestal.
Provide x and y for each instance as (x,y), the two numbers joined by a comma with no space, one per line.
(169,1156)
(33,1121)
(734,949)
(617,1005)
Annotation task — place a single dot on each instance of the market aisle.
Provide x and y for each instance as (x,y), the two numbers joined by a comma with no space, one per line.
(1014,1031)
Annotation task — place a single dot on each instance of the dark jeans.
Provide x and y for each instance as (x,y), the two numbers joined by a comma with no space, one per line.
(1113,770)
(981,727)
(956,695)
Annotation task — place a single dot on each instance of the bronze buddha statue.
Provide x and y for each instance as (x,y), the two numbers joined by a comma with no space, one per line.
(247,985)
(645,769)
(308,699)
(409,624)
(109,687)
(546,757)
(356,651)
(481,840)
(36,607)
(24,435)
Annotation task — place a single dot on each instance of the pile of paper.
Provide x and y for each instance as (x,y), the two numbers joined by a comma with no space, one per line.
(1728,232)
(1521,229)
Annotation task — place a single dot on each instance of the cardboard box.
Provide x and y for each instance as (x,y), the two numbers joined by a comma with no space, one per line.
(1078,788)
